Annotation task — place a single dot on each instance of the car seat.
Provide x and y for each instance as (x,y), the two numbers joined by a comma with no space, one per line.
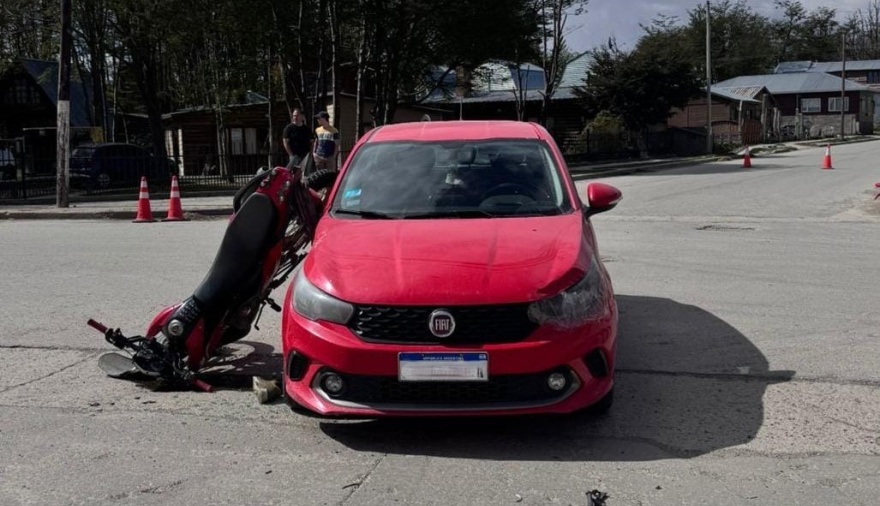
(402,182)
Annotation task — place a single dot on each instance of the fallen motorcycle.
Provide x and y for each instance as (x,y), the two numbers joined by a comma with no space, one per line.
(273,222)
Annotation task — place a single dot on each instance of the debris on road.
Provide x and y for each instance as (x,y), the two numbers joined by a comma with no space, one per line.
(596,498)
(266,390)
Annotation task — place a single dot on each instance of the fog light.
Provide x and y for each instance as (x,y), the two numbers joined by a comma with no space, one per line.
(556,381)
(332,383)
(175,328)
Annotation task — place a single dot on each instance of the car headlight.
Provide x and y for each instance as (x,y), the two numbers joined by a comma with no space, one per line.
(585,301)
(315,305)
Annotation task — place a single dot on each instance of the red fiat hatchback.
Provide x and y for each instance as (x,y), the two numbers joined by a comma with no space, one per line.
(454,272)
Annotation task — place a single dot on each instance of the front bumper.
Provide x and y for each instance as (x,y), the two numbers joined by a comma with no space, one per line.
(517,382)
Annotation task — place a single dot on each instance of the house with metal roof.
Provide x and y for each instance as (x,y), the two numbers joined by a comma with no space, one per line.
(496,87)
(808,104)
(739,114)
(29,98)
(29,112)
(865,72)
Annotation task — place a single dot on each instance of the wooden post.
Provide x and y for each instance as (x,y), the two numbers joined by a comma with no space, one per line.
(63,125)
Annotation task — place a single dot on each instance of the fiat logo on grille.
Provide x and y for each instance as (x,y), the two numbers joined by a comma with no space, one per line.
(441,323)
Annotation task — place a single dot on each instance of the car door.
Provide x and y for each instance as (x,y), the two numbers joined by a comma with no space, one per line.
(110,166)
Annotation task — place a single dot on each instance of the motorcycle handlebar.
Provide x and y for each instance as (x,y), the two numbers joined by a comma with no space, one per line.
(97,326)
(201,385)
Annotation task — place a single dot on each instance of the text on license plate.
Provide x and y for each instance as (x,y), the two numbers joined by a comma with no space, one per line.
(443,366)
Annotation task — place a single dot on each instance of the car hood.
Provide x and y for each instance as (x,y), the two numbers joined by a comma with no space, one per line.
(448,261)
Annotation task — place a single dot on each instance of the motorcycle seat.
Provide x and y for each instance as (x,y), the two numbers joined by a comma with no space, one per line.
(240,258)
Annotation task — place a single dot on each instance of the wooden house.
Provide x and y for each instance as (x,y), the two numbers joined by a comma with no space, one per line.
(237,140)
(809,104)
(739,115)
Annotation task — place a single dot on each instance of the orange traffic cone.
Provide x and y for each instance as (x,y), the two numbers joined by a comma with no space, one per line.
(826,162)
(144,214)
(175,211)
(747,159)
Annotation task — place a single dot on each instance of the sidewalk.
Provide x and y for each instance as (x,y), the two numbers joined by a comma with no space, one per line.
(194,208)
(592,171)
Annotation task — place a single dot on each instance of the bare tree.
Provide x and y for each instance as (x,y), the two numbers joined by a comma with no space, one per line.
(554,16)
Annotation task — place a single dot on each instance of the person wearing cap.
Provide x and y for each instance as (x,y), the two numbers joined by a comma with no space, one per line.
(326,138)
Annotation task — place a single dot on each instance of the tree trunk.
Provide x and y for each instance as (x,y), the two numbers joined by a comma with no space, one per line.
(334,46)
(362,57)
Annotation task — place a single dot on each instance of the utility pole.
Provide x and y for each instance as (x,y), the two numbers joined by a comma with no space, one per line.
(708,81)
(270,160)
(842,84)
(63,126)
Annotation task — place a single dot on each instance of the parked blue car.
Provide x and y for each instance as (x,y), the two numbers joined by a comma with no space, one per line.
(117,165)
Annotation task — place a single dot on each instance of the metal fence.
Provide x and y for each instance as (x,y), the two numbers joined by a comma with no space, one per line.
(599,147)
(32,177)
(29,177)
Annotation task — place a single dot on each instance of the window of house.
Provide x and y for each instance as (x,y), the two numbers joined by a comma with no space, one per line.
(236,141)
(873,76)
(834,104)
(22,92)
(250,141)
(243,141)
(811,105)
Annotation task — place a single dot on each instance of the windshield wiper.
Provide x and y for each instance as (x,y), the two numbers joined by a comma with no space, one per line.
(372,215)
(452,213)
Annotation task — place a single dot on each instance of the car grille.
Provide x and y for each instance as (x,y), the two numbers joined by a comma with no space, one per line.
(508,389)
(473,324)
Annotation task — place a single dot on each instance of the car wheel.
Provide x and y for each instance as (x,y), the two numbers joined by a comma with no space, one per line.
(103,180)
(602,405)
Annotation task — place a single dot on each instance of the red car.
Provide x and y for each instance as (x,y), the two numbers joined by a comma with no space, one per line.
(454,272)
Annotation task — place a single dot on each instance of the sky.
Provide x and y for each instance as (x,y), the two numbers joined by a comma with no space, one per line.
(621,18)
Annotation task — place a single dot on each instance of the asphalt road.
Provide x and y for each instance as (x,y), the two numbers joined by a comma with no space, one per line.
(748,366)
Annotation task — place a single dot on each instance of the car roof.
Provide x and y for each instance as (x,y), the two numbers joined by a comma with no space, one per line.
(426,131)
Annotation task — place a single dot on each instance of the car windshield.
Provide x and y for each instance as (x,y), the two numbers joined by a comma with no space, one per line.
(82,152)
(461,179)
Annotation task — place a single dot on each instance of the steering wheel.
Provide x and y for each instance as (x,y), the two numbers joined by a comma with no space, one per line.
(518,189)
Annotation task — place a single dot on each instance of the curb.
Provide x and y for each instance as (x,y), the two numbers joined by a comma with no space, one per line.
(651,167)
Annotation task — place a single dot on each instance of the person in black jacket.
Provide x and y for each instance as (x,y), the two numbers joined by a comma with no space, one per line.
(297,138)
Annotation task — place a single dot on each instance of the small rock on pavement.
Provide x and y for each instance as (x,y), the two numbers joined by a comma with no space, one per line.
(266,390)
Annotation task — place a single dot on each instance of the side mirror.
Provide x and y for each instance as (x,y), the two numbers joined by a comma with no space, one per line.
(601,197)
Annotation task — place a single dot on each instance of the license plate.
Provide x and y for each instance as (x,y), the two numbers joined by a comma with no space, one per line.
(443,367)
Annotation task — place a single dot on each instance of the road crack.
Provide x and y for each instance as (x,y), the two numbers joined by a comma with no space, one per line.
(355,486)
(90,356)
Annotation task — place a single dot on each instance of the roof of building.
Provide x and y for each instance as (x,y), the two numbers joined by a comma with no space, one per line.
(455,130)
(576,71)
(731,94)
(803,82)
(836,66)
(45,74)
(829,66)
(792,66)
